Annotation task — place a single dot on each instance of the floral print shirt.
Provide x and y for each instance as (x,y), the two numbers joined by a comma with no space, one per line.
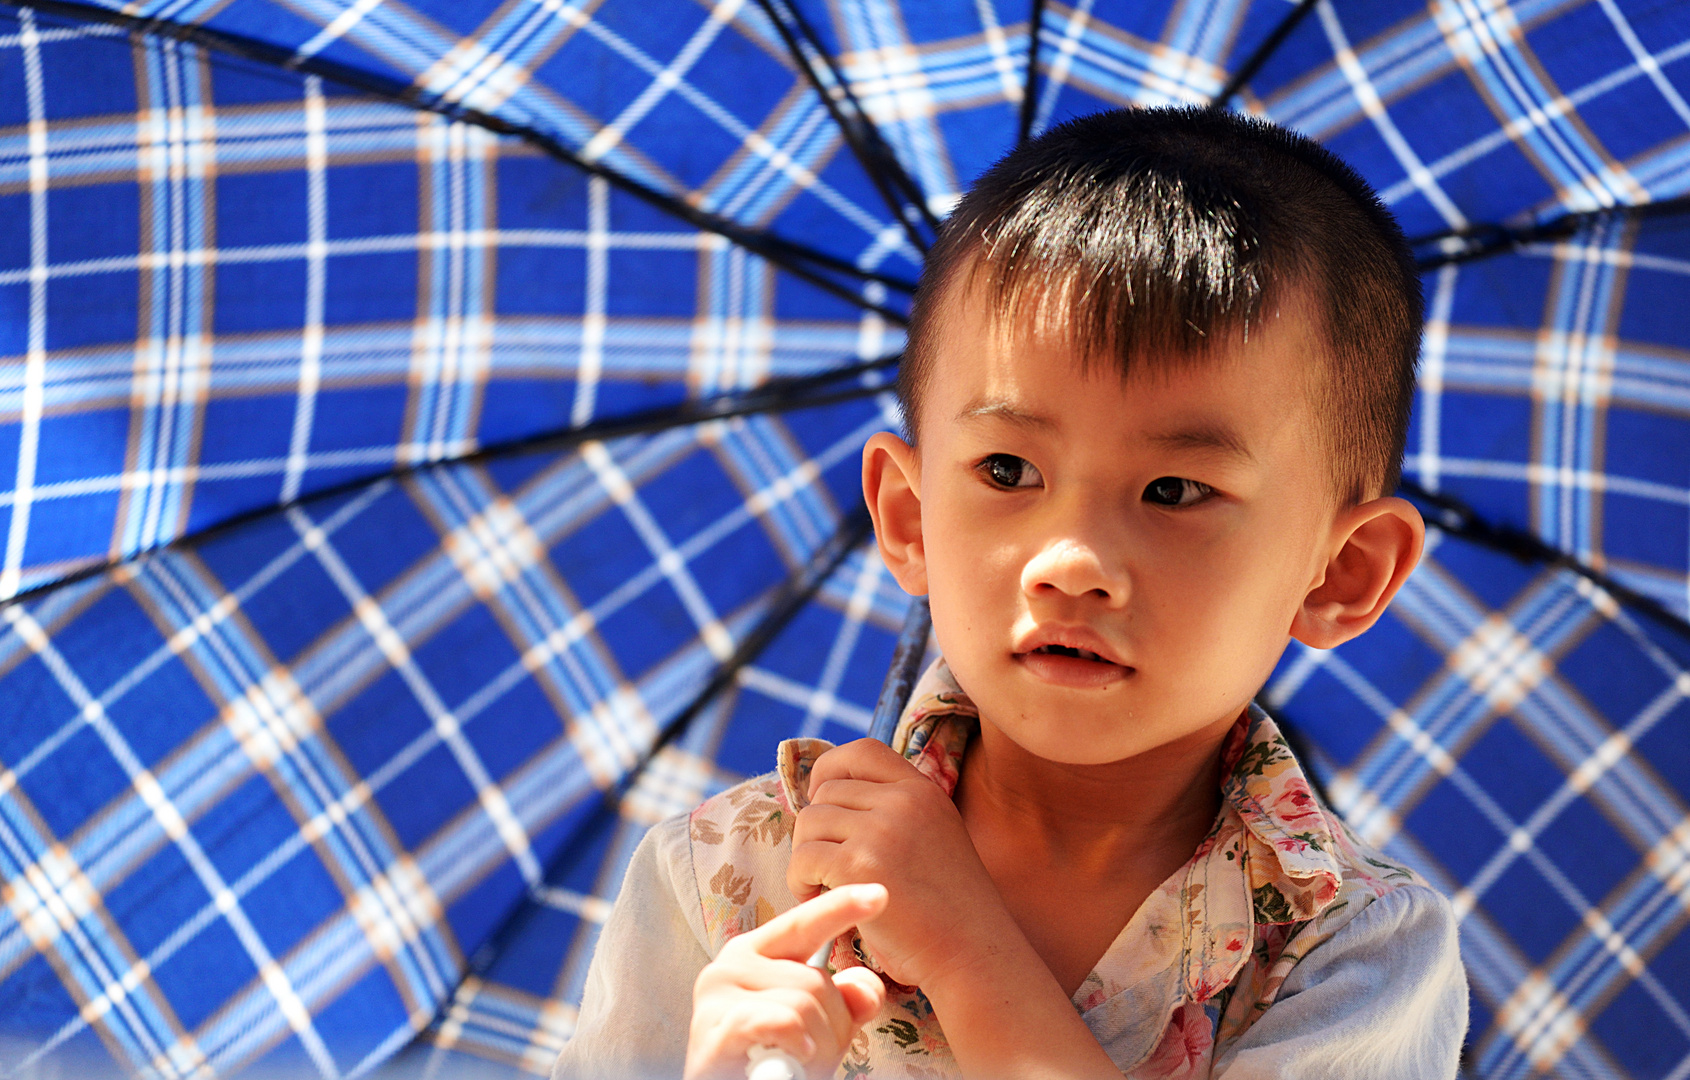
(1194,970)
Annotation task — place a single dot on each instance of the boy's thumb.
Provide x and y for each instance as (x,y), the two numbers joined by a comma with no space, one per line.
(863,992)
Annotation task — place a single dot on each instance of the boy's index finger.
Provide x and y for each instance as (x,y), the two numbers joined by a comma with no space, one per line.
(797,934)
(864,759)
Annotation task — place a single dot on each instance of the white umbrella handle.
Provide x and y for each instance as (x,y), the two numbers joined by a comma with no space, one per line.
(773,1063)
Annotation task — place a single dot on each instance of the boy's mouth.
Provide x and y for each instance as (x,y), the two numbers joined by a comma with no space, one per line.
(1071,666)
(1063,650)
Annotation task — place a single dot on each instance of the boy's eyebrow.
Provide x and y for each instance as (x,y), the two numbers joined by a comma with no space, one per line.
(1201,437)
(1004,410)
(1205,437)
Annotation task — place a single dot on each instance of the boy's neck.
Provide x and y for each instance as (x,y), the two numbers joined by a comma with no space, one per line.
(1074,850)
(1144,811)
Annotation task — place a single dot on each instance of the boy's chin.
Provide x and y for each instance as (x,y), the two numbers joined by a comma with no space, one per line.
(1073,744)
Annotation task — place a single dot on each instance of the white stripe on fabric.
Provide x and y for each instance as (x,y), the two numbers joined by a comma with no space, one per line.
(823,700)
(1536,473)
(35,374)
(801,696)
(336,29)
(364,245)
(669,561)
(1515,127)
(446,725)
(663,81)
(50,35)
(1489,39)
(1571,251)
(172,360)
(451,342)
(1368,98)
(1572,387)
(146,785)
(1434,342)
(872,330)
(393,33)
(1056,71)
(311,334)
(1646,63)
(591,363)
(582,905)
(1011,79)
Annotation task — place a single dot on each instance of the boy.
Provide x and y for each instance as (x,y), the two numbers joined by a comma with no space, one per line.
(1156,393)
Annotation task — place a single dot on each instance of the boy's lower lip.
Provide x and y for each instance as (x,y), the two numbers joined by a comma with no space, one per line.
(1072,671)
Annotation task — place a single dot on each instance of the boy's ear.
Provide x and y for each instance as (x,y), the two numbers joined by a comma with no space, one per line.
(1378,544)
(892,490)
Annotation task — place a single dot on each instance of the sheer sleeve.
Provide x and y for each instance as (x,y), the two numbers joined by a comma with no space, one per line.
(1384,999)
(637,1004)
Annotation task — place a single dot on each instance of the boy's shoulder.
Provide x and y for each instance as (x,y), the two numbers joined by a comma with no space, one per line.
(740,842)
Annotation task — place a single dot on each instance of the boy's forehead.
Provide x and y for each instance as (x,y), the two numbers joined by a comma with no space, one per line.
(984,350)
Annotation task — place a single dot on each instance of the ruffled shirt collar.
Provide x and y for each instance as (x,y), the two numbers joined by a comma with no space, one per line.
(1269,859)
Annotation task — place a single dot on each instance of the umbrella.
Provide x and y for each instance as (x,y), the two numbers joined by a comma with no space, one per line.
(430,433)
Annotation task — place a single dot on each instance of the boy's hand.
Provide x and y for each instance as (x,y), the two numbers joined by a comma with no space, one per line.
(873,817)
(759,991)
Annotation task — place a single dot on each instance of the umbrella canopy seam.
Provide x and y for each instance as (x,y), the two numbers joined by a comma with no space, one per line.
(860,133)
(1472,244)
(1264,52)
(1029,87)
(785,395)
(1456,518)
(793,594)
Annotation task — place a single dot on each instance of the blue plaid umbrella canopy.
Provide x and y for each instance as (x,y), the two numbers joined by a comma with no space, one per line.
(428,440)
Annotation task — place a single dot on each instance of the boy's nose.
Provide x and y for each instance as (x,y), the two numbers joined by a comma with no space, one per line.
(1073,569)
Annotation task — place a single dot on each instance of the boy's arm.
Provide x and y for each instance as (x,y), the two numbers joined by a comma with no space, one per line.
(1383,998)
(638,997)
(1005,1015)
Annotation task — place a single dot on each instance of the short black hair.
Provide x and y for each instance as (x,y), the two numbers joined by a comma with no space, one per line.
(1165,232)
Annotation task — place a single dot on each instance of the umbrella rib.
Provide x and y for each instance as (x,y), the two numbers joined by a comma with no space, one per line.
(1484,241)
(783,395)
(860,133)
(1456,518)
(789,255)
(795,592)
(1264,52)
(905,669)
(1030,85)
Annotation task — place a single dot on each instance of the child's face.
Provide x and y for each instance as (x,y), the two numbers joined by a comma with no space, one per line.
(1171,523)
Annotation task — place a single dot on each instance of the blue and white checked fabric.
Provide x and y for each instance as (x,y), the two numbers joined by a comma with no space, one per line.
(1573,430)
(228,286)
(324,790)
(263,796)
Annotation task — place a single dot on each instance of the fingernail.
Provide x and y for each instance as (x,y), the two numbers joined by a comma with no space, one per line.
(809,1048)
(868,893)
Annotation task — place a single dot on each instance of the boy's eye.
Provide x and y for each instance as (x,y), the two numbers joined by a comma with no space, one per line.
(1007,470)
(1176,491)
